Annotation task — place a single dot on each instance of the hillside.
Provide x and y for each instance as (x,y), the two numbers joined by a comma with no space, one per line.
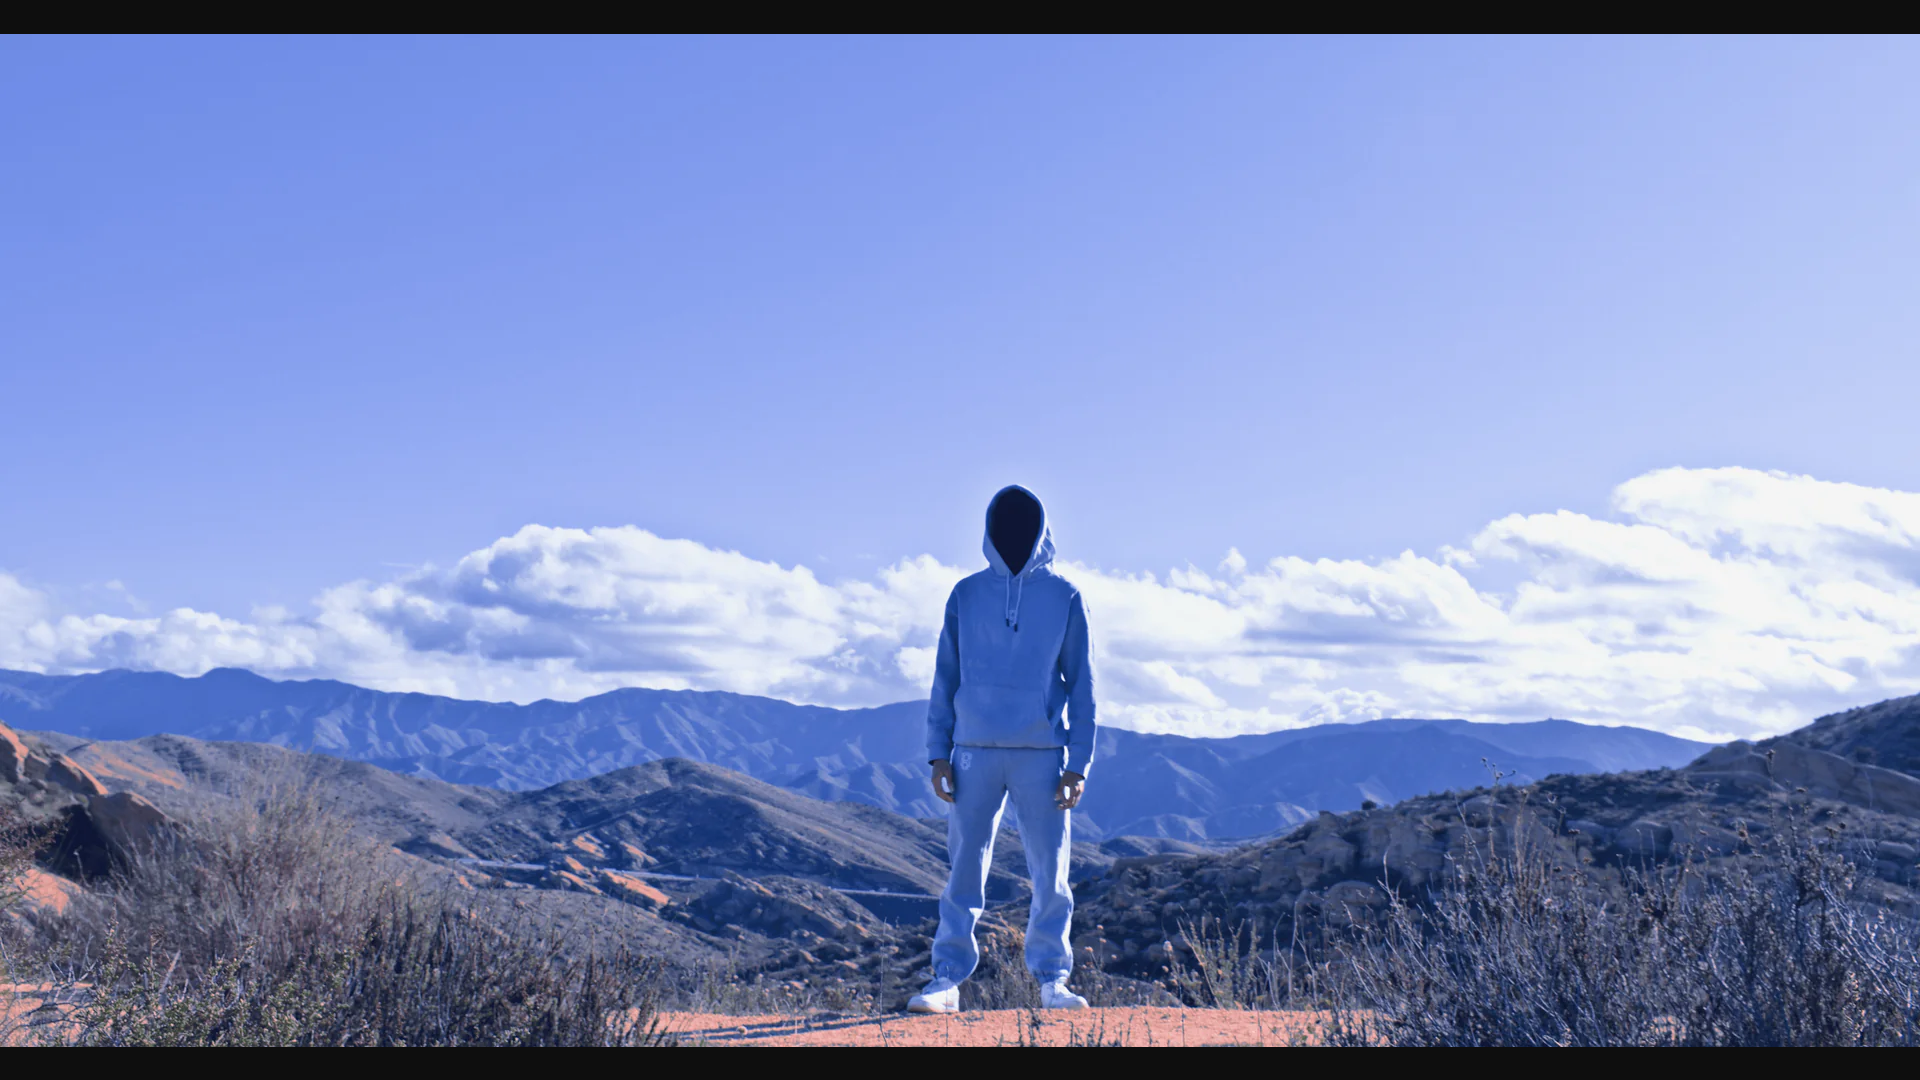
(672,817)
(700,863)
(1886,734)
(1338,868)
(1159,786)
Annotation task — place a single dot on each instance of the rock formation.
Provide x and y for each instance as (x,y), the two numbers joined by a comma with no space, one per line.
(1340,869)
(93,826)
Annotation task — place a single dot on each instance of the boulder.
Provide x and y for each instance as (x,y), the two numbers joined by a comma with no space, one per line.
(127,821)
(1646,838)
(43,894)
(63,771)
(1412,853)
(632,890)
(13,756)
(1348,903)
(1332,853)
(1481,811)
(1790,765)
(561,879)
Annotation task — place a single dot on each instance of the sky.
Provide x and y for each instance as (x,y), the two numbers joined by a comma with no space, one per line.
(1499,378)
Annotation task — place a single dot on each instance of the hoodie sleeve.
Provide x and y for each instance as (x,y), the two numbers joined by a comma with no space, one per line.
(946,681)
(1076,667)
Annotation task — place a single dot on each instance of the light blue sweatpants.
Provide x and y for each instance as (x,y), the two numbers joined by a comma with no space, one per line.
(983,779)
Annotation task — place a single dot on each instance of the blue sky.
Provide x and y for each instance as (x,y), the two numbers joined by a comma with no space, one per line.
(277,316)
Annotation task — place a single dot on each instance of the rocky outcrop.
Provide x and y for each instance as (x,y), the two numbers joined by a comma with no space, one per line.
(1790,765)
(632,890)
(92,827)
(571,882)
(62,771)
(45,896)
(127,821)
(1341,870)
(13,756)
(1886,734)
(30,766)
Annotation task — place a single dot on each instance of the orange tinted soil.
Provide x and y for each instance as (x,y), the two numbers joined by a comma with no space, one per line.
(1093,1027)
(42,891)
(111,766)
(17,1026)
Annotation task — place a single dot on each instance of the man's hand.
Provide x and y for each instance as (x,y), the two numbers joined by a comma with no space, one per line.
(1072,786)
(943,786)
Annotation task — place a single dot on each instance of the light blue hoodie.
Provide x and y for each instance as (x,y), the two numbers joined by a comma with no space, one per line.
(1014,667)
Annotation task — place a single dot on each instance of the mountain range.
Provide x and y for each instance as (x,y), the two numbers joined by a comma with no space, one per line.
(706,866)
(1166,786)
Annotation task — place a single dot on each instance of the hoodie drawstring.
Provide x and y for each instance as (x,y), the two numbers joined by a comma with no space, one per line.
(1014,595)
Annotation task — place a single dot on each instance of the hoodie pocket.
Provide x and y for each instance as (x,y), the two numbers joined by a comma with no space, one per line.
(989,715)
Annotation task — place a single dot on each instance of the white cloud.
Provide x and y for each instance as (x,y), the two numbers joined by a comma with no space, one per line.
(1711,602)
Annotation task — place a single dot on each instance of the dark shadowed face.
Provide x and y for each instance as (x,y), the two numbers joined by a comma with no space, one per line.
(1013,524)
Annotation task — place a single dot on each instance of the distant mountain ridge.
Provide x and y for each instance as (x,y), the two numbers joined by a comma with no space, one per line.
(1180,788)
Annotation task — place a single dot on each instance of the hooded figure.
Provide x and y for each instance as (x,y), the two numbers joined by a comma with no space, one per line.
(1011,718)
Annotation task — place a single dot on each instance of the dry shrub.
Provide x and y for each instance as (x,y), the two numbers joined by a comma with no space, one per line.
(20,841)
(1515,948)
(430,975)
(722,987)
(1218,967)
(1002,980)
(270,872)
(269,922)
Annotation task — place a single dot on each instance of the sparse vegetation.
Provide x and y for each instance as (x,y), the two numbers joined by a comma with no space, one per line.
(266,919)
(1517,944)
(1226,968)
(271,923)
(20,840)
(1516,948)
(723,987)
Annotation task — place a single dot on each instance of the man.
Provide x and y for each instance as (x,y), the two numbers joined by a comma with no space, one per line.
(1011,715)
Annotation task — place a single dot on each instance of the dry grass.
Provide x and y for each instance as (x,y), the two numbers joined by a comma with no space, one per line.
(1520,945)
(270,923)
(1516,948)
(20,841)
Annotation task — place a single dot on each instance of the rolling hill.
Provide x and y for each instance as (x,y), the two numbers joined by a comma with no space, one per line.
(1165,786)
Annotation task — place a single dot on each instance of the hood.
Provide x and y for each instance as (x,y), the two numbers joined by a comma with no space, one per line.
(1018,540)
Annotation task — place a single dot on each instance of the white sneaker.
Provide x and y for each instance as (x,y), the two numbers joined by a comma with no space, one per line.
(1055,995)
(940,996)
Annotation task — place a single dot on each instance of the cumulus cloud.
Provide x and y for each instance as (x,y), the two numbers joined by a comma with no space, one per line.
(1710,602)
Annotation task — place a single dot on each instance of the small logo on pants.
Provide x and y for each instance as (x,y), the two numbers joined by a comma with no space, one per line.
(966,760)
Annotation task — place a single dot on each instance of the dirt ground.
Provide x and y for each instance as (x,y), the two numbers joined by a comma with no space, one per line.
(1010,1027)
(17,1000)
